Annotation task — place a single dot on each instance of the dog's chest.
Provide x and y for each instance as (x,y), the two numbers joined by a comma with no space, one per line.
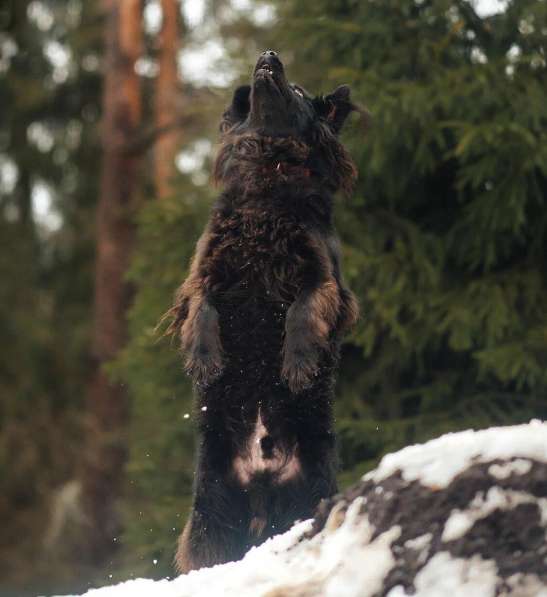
(261,249)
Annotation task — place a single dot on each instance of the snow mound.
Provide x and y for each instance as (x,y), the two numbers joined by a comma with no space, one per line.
(465,514)
(438,461)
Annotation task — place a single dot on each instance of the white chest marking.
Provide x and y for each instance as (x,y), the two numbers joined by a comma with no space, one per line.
(257,457)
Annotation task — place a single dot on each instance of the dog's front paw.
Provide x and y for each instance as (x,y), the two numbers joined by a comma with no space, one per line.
(299,367)
(204,363)
(201,343)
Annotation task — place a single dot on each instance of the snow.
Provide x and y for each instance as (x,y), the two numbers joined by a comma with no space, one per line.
(419,543)
(496,499)
(346,559)
(525,585)
(287,567)
(515,467)
(445,575)
(436,463)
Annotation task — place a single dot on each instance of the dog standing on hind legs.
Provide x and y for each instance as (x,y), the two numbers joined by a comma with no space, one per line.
(261,315)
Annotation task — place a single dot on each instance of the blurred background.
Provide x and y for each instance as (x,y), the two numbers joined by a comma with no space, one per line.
(108,120)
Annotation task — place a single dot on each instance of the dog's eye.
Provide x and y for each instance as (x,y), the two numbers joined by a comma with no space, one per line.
(298,92)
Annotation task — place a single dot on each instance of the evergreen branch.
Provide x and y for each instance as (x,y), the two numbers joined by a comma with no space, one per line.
(481,29)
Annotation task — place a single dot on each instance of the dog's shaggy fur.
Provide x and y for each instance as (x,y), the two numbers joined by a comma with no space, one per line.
(260,317)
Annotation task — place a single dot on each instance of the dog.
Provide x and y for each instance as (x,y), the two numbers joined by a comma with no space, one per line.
(261,315)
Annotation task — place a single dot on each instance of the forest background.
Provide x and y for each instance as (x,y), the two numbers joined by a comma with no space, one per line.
(108,119)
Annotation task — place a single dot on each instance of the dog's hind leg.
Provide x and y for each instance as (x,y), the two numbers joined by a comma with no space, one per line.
(210,538)
(216,531)
(203,544)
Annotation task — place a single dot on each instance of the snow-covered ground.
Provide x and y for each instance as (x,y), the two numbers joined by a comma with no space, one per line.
(462,515)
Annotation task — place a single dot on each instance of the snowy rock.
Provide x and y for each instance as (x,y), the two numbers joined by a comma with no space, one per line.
(462,515)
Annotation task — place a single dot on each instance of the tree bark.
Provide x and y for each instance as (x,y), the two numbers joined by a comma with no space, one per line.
(107,402)
(167,84)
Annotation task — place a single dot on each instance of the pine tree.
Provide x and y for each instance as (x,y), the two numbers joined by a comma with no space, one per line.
(107,404)
(49,140)
(167,87)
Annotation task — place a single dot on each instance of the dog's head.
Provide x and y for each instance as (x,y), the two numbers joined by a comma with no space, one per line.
(278,131)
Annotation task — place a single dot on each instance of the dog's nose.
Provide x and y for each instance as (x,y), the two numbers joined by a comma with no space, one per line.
(269,53)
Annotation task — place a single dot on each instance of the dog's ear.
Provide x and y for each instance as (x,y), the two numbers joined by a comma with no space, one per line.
(335,107)
(241,103)
(239,108)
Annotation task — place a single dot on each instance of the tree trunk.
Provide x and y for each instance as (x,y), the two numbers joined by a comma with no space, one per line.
(166,94)
(107,403)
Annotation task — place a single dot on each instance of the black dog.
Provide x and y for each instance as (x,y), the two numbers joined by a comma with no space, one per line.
(261,315)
